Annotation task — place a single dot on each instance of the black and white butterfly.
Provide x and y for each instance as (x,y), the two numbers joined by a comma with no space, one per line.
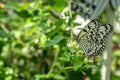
(91,38)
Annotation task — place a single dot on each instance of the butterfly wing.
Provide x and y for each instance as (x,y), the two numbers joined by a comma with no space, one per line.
(101,36)
(86,37)
(88,29)
(91,39)
(104,31)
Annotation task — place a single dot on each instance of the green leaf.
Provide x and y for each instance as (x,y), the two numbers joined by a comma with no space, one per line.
(116,38)
(65,57)
(54,41)
(3,34)
(43,40)
(117,53)
(77,63)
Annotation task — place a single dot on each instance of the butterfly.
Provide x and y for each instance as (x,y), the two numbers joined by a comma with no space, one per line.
(91,39)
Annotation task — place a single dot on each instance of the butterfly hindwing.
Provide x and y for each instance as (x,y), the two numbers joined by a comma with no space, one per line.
(105,30)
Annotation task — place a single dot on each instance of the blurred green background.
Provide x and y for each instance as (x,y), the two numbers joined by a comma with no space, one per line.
(34,36)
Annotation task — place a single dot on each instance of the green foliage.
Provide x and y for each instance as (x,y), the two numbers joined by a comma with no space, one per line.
(30,37)
(116,38)
(33,43)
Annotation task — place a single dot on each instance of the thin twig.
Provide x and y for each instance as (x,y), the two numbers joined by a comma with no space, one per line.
(70,13)
(53,65)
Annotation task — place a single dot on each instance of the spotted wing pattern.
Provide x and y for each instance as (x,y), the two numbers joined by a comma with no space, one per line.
(91,38)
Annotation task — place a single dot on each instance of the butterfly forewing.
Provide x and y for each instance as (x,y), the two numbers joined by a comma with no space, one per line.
(91,38)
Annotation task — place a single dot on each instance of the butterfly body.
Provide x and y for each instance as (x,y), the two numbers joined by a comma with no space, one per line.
(91,38)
